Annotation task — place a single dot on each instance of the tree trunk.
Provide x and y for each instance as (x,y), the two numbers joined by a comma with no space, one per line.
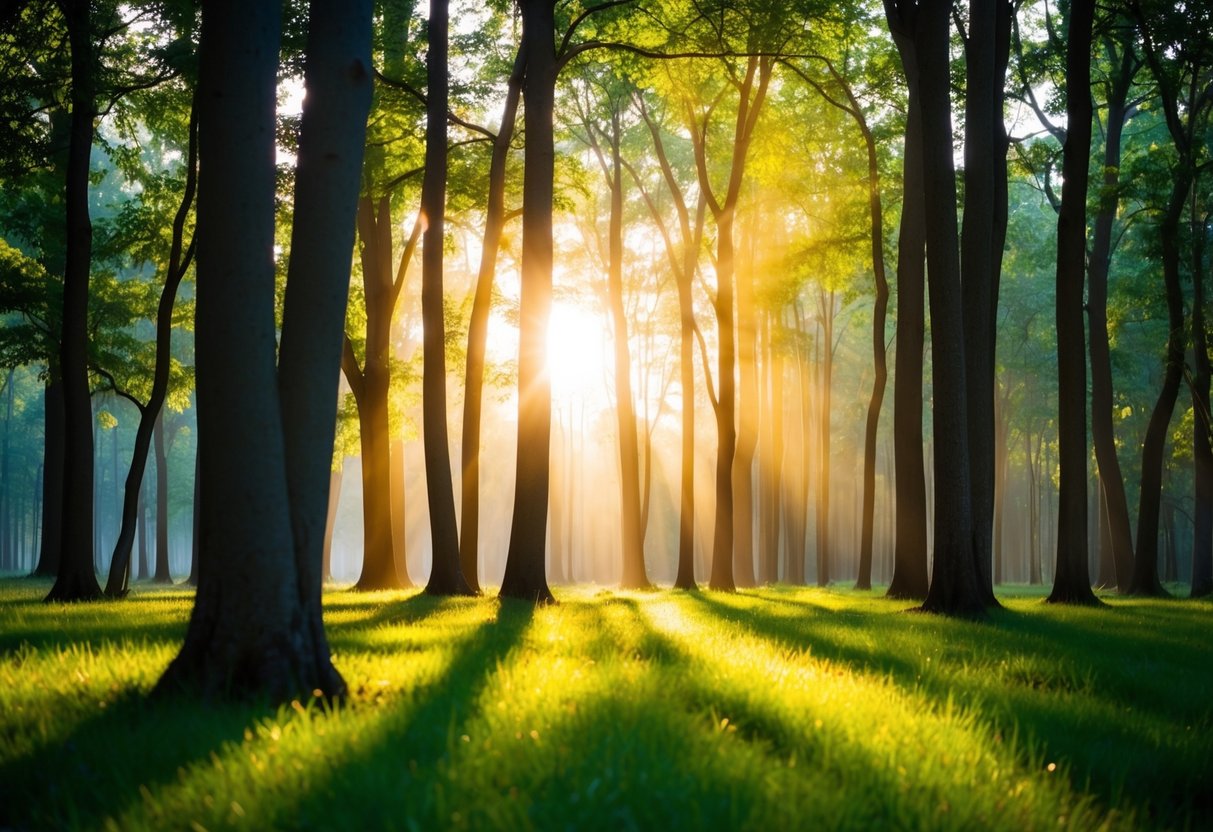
(330,523)
(150,415)
(1145,568)
(526,558)
(632,531)
(1120,540)
(162,575)
(982,235)
(144,571)
(910,546)
(954,586)
(1202,451)
(879,359)
(75,579)
(446,575)
(256,626)
(769,555)
(473,396)
(1071,579)
(52,479)
(825,370)
(747,422)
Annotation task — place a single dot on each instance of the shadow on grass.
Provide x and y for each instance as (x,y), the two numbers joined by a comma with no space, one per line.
(1088,693)
(415,734)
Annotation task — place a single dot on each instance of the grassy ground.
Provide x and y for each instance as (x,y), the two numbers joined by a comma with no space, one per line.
(776,709)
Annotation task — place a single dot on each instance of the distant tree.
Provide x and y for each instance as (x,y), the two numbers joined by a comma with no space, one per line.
(267,427)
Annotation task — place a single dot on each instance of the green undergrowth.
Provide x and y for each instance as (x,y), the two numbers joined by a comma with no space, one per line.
(780,708)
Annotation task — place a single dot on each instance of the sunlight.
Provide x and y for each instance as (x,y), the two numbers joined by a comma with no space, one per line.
(578,360)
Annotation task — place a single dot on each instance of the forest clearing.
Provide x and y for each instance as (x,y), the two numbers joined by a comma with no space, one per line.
(780,708)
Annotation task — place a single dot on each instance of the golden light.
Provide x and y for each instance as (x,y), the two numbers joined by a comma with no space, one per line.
(578,357)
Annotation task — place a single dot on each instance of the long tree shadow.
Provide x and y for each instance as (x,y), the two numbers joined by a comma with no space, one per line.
(1025,674)
(182,732)
(384,780)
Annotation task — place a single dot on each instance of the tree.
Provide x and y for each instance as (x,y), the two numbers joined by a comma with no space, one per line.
(1071,581)
(910,547)
(75,579)
(526,558)
(268,429)
(446,574)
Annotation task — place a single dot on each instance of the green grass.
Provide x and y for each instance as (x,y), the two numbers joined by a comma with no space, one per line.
(776,709)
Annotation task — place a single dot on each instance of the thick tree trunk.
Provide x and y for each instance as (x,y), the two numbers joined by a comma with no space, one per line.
(526,558)
(910,545)
(1145,568)
(1071,579)
(446,575)
(954,586)
(478,325)
(75,579)
(256,626)
(1120,539)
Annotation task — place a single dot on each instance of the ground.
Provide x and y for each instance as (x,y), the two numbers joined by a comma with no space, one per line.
(782,708)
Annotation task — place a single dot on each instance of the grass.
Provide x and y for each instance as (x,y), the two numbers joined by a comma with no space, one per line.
(774,709)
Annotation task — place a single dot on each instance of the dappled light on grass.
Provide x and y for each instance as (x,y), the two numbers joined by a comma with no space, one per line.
(779,708)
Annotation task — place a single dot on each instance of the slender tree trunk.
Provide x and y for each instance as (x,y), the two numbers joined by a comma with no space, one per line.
(144,571)
(633,575)
(1145,569)
(75,579)
(775,450)
(150,414)
(52,480)
(526,558)
(910,546)
(473,397)
(161,575)
(747,423)
(825,384)
(1202,451)
(330,523)
(1120,540)
(446,574)
(1071,579)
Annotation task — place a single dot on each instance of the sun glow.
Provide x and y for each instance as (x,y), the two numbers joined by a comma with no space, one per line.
(577,351)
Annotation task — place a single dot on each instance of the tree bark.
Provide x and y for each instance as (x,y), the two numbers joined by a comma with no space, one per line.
(446,574)
(1145,566)
(75,579)
(910,545)
(985,147)
(525,575)
(1120,536)
(1071,579)
(330,523)
(51,544)
(256,627)
(162,574)
(954,586)
(150,414)
(473,396)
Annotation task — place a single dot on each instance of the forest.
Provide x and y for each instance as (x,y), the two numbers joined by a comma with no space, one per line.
(618,414)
